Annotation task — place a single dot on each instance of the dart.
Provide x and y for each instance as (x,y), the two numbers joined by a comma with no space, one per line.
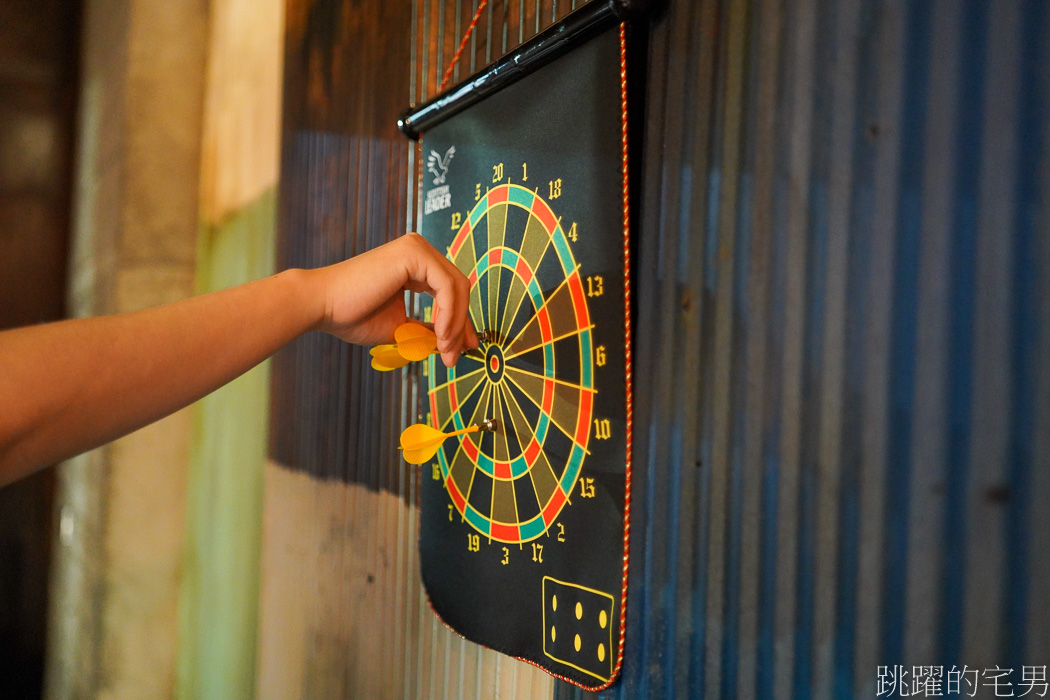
(420,442)
(386,358)
(415,341)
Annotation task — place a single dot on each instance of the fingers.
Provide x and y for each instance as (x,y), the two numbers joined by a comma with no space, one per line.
(451,292)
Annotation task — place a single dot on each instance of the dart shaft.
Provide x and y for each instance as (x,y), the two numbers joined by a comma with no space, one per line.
(489,425)
(464,431)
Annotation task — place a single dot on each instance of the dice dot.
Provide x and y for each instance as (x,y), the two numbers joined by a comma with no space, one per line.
(579,611)
(601,652)
(603,619)
(554,602)
(554,634)
(577,643)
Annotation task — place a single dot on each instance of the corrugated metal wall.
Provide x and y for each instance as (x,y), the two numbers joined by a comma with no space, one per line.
(842,397)
(843,389)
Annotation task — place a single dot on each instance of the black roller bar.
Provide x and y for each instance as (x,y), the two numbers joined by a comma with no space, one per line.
(535,53)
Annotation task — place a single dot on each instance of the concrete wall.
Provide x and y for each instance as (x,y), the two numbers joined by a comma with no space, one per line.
(219,607)
(122,509)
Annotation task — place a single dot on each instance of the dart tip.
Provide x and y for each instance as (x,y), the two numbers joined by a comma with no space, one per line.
(489,425)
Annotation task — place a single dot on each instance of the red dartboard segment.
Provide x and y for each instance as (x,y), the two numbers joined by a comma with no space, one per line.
(498,195)
(470,448)
(583,421)
(523,271)
(579,300)
(505,533)
(548,396)
(545,325)
(461,236)
(544,214)
(457,497)
(532,452)
(453,400)
(550,512)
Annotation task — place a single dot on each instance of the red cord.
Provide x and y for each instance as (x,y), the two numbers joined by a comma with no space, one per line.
(462,45)
(627,343)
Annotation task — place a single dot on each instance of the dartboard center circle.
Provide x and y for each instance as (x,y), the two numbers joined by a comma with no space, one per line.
(494,364)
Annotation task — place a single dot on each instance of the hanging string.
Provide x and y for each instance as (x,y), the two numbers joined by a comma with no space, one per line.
(462,45)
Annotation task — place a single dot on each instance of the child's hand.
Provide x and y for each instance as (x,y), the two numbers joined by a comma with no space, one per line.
(364,296)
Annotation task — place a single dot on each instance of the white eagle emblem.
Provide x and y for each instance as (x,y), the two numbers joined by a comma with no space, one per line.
(438,165)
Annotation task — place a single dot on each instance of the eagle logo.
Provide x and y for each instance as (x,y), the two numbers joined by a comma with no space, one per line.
(438,165)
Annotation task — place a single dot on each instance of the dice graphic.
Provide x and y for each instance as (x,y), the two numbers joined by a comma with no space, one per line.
(578,627)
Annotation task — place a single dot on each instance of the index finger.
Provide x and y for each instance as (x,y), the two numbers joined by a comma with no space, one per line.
(451,291)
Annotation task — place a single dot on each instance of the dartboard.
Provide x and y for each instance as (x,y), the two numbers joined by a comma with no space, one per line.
(534,375)
(522,527)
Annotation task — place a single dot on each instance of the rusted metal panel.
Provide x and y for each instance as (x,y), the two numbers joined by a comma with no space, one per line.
(842,425)
(343,613)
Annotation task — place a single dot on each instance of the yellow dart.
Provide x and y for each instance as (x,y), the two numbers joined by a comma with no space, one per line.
(415,341)
(420,442)
(386,358)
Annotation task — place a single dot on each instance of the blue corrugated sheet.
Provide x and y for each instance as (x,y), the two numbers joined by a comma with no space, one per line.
(843,341)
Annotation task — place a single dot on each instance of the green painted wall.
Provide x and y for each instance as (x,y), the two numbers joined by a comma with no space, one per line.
(218,607)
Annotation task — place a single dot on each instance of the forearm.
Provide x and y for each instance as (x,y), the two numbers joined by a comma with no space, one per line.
(70,386)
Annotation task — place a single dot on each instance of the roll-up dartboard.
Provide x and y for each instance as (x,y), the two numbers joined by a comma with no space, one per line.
(525,505)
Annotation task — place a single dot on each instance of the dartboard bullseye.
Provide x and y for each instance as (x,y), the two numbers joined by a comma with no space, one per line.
(535,378)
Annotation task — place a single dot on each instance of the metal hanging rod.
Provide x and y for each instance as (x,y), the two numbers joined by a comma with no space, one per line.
(535,53)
